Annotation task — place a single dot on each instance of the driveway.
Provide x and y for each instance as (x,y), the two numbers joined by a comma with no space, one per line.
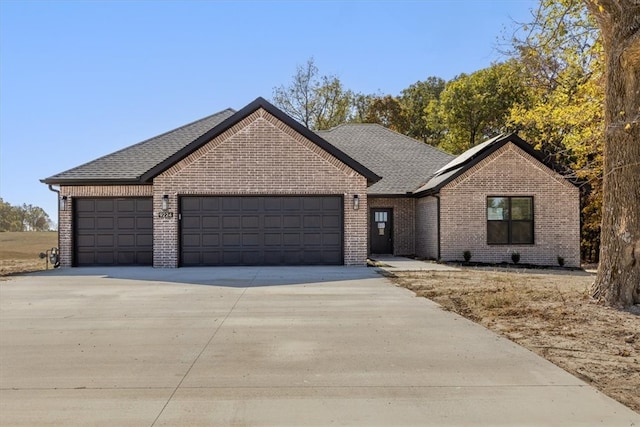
(265,347)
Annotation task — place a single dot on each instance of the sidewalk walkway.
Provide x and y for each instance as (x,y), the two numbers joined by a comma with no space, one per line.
(394,263)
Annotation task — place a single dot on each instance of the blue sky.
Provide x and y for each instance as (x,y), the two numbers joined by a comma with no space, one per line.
(81,79)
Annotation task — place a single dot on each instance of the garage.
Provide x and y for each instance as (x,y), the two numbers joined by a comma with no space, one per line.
(261,230)
(113,231)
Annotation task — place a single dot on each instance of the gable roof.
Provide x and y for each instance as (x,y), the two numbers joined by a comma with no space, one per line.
(140,163)
(403,162)
(475,155)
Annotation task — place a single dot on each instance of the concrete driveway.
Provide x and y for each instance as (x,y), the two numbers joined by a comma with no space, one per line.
(265,347)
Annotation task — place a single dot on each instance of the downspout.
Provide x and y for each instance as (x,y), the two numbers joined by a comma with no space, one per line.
(438,231)
(58,197)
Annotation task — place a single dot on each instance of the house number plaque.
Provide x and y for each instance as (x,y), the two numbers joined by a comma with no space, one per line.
(165,214)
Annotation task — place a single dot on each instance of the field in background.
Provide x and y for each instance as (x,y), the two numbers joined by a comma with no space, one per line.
(19,250)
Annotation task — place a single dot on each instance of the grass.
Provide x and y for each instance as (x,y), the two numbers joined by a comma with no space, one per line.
(19,250)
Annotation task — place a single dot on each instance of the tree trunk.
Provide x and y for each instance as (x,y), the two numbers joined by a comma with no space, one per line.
(618,279)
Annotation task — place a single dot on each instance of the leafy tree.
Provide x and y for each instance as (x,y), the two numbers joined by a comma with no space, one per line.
(318,102)
(475,106)
(388,112)
(562,114)
(415,101)
(618,279)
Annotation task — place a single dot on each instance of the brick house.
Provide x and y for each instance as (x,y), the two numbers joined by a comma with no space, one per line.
(255,187)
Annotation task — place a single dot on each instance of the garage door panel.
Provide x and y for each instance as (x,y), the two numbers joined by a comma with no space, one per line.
(144,240)
(191,240)
(105,223)
(126,223)
(105,258)
(144,223)
(271,221)
(291,221)
(250,222)
(231,240)
(191,222)
(262,230)
(211,222)
(231,222)
(113,231)
(104,205)
(105,240)
(331,239)
(231,204)
(291,239)
(126,240)
(312,221)
(144,205)
(211,240)
(250,239)
(190,204)
(312,204)
(273,239)
(331,221)
(126,205)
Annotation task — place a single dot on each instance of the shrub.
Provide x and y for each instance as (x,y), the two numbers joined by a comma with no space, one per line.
(515,257)
(560,261)
(466,255)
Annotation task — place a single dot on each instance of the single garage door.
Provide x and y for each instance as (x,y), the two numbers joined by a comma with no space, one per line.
(113,231)
(265,230)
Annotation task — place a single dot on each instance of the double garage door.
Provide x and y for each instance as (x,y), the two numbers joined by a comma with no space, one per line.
(214,231)
(265,230)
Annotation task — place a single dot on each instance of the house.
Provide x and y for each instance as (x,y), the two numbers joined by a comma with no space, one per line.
(255,187)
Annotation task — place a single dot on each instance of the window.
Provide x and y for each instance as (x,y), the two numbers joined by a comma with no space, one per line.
(510,220)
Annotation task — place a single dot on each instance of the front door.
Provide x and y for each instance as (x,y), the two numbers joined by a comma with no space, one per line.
(380,231)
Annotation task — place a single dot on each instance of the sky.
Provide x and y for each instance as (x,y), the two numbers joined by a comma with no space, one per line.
(81,79)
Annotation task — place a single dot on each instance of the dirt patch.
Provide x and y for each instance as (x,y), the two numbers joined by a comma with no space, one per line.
(19,251)
(550,313)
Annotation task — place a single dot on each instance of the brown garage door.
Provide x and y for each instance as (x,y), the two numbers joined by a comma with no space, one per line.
(110,231)
(261,230)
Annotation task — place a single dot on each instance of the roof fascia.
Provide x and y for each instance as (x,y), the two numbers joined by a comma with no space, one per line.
(80,182)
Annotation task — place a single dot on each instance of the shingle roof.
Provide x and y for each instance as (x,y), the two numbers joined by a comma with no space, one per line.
(129,164)
(473,156)
(403,163)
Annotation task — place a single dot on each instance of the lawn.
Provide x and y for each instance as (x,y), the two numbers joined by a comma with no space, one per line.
(19,251)
(549,312)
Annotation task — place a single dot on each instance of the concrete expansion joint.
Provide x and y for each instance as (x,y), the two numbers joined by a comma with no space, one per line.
(200,353)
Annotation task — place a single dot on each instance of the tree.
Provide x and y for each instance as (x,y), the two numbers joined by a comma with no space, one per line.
(23,218)
(387,111)
(562,114)
(415,101)
(316,102)
(618,279)
(476,106)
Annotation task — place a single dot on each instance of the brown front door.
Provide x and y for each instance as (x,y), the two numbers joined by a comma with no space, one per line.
(380,231)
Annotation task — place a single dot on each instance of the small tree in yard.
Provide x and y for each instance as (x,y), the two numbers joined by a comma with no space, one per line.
(618,279)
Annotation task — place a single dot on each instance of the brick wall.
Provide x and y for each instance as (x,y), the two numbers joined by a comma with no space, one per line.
(65,230)
(260,155)
(403,222)
(510,172)
(427,227)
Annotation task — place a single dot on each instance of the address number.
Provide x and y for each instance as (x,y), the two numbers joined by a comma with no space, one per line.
(164,214)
